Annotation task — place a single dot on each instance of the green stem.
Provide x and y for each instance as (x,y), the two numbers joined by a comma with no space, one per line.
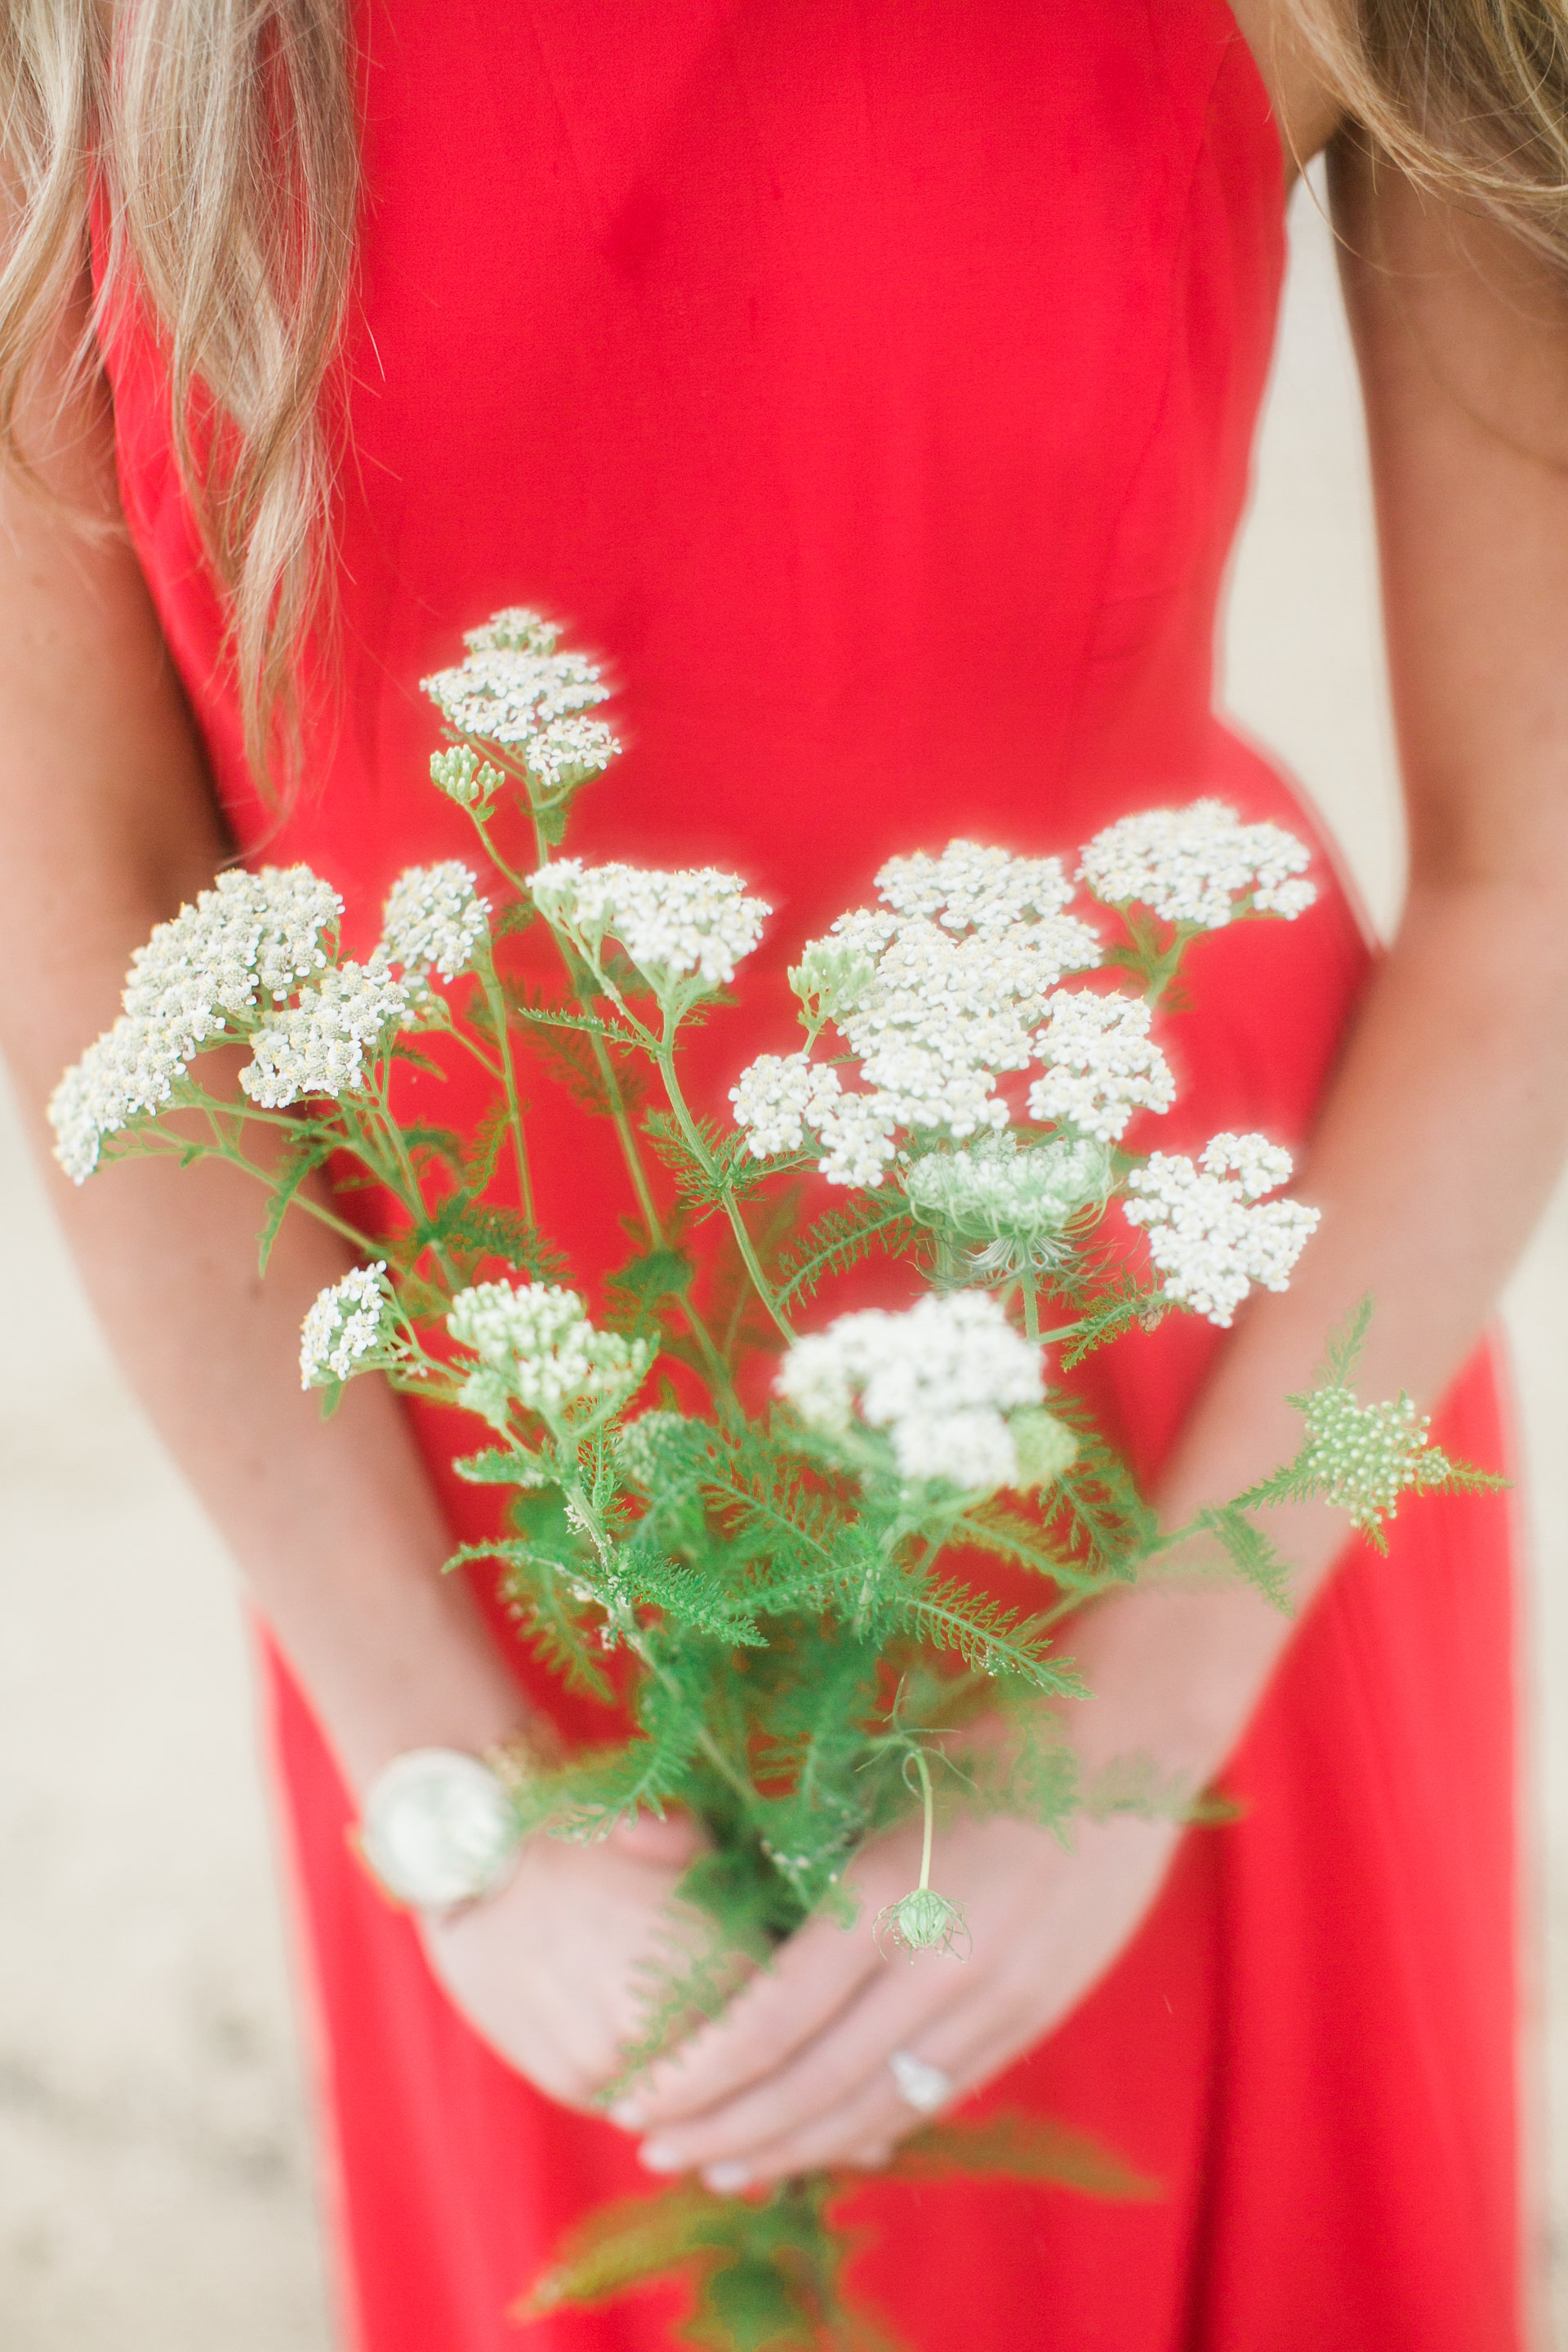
(924,1770)
(699,1151)
(496,1000)
(1031,1303)
(631,1632)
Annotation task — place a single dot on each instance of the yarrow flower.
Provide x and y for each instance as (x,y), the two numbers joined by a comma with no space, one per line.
(513,685)
(696,923)
(251,934)
(322,1045)
(434,919)
(972,887)
(350,1327)
(1102,1065)
(940,1379)
(1015,1200)
(937,990)
(1366,1456)
(1199,866)
(1209,1234)
(536,1346)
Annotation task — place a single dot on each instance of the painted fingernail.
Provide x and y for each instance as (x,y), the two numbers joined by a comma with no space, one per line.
(659,2155)
(628,2113)
(725,2178)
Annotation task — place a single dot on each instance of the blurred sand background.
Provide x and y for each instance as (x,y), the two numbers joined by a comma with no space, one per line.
(156,2181)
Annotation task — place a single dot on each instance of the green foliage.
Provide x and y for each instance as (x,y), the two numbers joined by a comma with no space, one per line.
(304,1154)
(765,2273)
(843,1237)
(720,1169)
(1250,1551)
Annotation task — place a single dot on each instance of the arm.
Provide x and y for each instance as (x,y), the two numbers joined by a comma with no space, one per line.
(1435,1151)
(106,824)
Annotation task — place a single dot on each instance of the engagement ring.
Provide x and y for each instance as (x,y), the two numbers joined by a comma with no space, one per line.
(921,2087)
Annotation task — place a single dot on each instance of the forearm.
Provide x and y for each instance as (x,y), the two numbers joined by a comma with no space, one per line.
(1436,1150)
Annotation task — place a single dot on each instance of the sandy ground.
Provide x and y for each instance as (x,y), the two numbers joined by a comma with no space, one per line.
(156,2187)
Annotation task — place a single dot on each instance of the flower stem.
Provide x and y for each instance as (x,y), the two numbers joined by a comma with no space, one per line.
(699,1151)
(923,1768)
(496,1001)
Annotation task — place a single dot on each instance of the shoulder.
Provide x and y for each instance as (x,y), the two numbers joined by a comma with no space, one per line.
(1305,105)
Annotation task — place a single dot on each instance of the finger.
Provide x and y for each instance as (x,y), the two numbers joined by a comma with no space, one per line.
(914,2008)
(779,2010)
(669,1839)
(862,2129)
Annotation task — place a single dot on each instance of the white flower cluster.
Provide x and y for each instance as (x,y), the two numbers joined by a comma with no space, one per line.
(1199,866)
(1209,1234)
(939,1378)
(972,887)
(779,1096)
(694,922)
(433,917)
(536,1344)
(1102,1065)
(937,990)
(322,1044)
(250,934)
(1367,1455)
(514,687)
(996,1193)
(350,1323)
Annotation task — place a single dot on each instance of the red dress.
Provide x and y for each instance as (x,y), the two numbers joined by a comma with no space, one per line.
(872,383)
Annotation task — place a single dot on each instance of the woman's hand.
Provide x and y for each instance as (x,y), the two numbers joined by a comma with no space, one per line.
(795,2073)
(547,1970)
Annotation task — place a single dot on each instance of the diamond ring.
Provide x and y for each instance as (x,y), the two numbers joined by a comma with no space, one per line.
(921,2085)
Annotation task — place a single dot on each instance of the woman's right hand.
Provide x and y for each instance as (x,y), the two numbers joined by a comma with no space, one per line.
(552,1972)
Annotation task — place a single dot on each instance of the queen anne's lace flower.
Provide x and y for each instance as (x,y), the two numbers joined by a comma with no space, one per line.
(1199,865)
(1014,1201)
(1209,1234)
(1102,1065)
(1367,1455)
(322,1045)
(348,1327)
(434,917)
(536,1344)
(512,684)
(250,934)
(694,922)
(939,1378)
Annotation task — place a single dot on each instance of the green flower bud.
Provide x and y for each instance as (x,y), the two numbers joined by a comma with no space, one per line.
(1045,1447)
(923,1921)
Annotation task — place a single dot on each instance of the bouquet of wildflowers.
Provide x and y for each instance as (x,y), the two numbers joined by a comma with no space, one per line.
(804,1647)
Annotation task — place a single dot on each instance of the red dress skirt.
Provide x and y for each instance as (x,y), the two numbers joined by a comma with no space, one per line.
(871,383)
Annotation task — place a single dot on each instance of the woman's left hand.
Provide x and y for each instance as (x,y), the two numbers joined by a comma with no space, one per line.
(795,2073)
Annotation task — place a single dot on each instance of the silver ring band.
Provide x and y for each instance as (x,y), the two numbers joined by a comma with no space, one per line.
(920,2085)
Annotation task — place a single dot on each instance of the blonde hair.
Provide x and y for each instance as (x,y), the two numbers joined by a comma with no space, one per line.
(1468,97)
(224,135)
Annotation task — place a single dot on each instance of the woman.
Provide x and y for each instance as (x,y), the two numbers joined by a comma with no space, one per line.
(874,388)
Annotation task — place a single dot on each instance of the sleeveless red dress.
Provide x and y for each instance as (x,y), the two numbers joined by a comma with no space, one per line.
(872,382)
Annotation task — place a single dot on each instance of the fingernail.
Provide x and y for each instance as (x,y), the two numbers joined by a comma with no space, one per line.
(628,2113)
(725,2178)
(659,2155)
